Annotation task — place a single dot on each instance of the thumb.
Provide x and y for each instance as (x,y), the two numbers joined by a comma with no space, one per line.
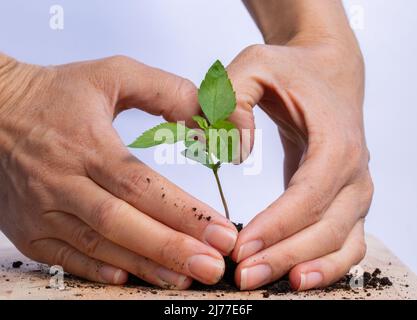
(130,83)
(248,94)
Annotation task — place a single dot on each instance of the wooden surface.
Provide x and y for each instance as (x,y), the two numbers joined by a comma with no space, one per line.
(32,280)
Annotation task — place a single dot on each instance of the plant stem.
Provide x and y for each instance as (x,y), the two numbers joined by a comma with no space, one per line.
(219,185)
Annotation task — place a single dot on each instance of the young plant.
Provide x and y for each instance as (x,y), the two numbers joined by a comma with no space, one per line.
(217,141)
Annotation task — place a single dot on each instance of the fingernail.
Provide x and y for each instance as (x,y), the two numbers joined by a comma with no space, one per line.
(254,277)
(172,278)
(206,269)
(310,280)
(112,275)
(248,249)
(221,238)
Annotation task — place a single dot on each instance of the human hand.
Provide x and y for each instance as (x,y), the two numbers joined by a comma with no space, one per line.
(313,91)
(72,195)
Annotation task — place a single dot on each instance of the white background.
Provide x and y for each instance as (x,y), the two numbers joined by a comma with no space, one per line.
(186,36)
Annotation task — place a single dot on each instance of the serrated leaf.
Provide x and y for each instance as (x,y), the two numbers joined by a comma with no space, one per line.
(233,139)
(195,136)
(216,96)
(202,122)
(224,124)
(202,158)
(224,143)
(167,132)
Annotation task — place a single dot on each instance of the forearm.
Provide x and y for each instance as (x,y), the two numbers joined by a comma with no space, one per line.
(294,21)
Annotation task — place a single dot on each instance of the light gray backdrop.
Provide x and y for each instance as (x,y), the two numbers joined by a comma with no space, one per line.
(186,36)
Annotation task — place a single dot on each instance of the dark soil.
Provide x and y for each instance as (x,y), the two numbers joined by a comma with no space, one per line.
(228,281)
(17,264)
(373,280)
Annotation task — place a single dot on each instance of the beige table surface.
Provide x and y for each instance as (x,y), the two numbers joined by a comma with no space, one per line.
(31,281)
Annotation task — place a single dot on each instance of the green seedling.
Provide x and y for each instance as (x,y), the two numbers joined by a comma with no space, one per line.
(217,141)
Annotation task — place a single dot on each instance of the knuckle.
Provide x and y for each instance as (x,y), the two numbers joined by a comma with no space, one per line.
(88,240)
(356,151)
(94,162)
(341,146)
(185,94)
(257,51)
(288,260)
(186,91)
(369,188)
(106,74)
(334,269)
(120,61)
(133,185)
(104,212)
(315,202)
(245,101)
(367,191)
(174,243)
(337,233)
(280,231)
(63,255)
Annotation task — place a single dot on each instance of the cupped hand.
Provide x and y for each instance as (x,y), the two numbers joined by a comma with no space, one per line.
(71,194)
(315,229)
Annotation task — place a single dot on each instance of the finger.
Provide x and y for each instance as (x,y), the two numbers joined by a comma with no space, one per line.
(322,238)
(129,179)
(128,227)
(56,252)
(293,154)
(310,192)
(326,270)
(86,240)
(249,92)
(150,89)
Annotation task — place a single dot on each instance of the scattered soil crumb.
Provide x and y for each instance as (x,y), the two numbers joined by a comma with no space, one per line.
(17,264)
(371,281)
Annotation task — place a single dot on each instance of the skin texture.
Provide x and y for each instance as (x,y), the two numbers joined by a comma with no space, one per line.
(71,194)
(309,79)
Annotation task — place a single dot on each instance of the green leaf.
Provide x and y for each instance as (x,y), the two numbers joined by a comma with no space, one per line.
(202,157)
(163,133)
(216,95)
(202,122)
(224,124)
(195,136)
(224,142)
(232,140)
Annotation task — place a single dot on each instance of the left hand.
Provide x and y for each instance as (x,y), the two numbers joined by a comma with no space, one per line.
(315,230)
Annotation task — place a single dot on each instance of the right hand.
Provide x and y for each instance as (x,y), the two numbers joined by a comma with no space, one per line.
(71,194)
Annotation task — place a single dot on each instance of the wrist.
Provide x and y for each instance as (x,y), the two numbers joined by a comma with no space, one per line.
(339,45)
(302,22)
